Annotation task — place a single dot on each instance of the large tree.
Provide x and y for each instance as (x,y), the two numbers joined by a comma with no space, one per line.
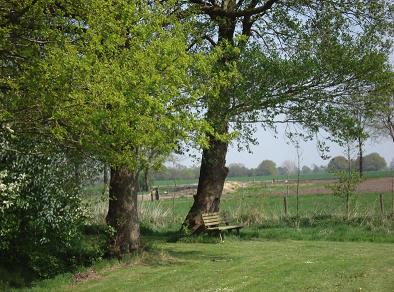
(283,61)
(110,79)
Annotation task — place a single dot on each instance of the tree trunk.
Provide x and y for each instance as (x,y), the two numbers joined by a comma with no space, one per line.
(105,179)
(213,173)
(123,213)
(146,180)
(360,153)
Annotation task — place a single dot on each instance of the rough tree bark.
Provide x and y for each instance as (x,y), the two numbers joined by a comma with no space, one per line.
(146,180)
(123,213)
(213,171)
(390,126)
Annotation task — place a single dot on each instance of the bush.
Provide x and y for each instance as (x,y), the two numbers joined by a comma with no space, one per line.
(42,217)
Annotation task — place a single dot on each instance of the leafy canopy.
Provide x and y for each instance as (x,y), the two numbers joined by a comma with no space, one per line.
(110,78)
(294,61)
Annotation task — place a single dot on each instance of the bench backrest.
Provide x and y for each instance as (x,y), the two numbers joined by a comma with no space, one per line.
(211,219)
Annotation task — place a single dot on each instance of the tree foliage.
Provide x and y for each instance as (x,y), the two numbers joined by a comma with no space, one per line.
(284,62)
(109,79)
(372,162)
(266,167)
(345,186)
(338,163)
(306,170)
(285,51)
(382,123)
(239,169)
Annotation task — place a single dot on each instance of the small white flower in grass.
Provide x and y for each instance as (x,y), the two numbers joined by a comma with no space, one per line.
(309,262)
(8,128)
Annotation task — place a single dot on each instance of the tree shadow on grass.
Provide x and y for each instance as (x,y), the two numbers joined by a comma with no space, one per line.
(173,236)
(149,234)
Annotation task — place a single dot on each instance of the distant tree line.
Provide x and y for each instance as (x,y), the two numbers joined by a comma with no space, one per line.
(179,172)
(269,168)
(265,168)
(371,162)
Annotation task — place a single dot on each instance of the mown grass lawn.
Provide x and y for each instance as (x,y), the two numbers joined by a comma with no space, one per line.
(239,265)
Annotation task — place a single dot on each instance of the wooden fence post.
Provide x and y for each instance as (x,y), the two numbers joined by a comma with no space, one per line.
(173,204)
(381,206)
(285,200)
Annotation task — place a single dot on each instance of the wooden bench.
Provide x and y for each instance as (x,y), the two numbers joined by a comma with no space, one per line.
(213,222)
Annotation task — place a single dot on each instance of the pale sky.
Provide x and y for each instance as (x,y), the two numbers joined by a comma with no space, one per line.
(278,150)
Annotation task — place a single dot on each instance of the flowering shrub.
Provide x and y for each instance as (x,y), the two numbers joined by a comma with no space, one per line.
(41,213)
(9,189)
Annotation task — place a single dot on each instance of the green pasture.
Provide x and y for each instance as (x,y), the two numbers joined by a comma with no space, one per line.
(312,176)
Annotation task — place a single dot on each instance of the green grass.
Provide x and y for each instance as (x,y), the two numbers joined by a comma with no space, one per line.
(320,250)
(321,217)
(312,176)
(271,206)
(238,265)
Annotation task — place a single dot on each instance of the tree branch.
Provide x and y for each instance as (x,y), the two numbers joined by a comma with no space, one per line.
(217,11)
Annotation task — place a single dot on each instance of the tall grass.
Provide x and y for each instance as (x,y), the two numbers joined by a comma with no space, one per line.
(259,207)
(154,215)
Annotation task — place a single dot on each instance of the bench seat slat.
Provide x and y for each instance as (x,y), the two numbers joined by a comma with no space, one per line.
(212,218)
(213,221)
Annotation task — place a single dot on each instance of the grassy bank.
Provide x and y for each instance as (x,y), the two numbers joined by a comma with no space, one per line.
(243,266)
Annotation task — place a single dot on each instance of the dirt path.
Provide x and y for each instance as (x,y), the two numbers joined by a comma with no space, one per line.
(377,185)
(229,187)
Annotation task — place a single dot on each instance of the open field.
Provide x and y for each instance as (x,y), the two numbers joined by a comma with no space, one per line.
(306,187)
(312,176)
(238,265)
